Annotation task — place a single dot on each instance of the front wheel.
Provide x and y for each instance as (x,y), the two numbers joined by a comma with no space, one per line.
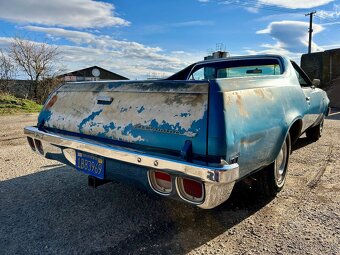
(271,179)
(315,133)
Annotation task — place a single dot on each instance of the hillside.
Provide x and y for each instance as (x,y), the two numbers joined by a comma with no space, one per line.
(12,105)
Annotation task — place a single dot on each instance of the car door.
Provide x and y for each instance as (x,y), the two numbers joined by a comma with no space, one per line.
(313,97)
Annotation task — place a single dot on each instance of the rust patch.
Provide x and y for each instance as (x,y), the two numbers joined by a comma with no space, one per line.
(259,92)
(264,93)
(185,99)
(51,102)
(228,99)
(240,106)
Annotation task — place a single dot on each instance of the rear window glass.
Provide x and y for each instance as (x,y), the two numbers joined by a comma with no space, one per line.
(236,68)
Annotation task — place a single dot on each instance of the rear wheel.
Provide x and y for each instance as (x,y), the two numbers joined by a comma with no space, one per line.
(315,133)
(270,180)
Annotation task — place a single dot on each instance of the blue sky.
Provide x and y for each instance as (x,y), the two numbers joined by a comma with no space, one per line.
(138,39)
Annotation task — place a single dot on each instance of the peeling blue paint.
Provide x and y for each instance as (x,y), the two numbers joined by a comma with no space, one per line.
(44,116)
(123,109)
(89,118)
(166,126)
(107,128)
(112,85)
(141,109)
(185,114)
(197,124)
(127,130)
(110,126)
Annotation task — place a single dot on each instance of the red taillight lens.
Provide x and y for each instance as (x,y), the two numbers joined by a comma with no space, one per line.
(39,146)
(163,176)
(190,190)
(193,188)
(31,143)
(161,181)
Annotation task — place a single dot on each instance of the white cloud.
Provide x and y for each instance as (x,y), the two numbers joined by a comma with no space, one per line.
(290,36)
(331,23)
(130,59)
(72,35)
(65,13)
(331,46)
(255,5)
(193,23)
(333,14)
(104,42)
(296,4)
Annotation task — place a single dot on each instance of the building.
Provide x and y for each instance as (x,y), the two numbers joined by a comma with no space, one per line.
(93,73)
(325,66)
(322,65)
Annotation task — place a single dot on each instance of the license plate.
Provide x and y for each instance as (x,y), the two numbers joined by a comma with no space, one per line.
(90,164)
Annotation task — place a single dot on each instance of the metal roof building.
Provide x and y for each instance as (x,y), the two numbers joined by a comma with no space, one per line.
(93,73)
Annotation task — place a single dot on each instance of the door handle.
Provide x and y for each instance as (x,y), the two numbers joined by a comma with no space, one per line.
(104,100)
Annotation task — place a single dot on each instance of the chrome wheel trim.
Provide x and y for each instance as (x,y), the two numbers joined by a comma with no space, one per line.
(321,128)
(280,166)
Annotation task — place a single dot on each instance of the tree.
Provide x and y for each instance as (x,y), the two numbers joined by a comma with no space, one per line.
(37,60)
(7,70)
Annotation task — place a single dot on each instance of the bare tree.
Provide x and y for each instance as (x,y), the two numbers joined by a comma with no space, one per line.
(7,70)
(37,60)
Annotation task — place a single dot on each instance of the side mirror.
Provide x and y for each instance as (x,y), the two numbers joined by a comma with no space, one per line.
(316,82)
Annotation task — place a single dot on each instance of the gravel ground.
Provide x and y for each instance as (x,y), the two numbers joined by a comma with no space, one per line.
(47,208)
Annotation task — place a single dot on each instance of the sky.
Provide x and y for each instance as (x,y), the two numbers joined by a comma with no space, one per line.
(142,39)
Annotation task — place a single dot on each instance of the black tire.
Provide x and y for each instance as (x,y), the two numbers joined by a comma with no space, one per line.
(315,132)
(270,180)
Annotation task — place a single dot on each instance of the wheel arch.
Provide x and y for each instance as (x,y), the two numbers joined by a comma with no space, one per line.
(294,130)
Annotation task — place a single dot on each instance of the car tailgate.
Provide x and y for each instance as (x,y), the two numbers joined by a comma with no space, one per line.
(160,114)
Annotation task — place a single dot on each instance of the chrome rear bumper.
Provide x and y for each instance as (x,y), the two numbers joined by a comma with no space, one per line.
(218,179)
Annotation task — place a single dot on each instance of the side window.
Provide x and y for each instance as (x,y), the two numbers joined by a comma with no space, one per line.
(303,79)
(204,73)
(198,75)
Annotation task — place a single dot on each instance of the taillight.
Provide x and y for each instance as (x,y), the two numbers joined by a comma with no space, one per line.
(31,143)
(161,181)
(39,146)
(191,190)
(51,102)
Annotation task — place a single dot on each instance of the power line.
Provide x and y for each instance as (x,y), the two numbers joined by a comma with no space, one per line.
(326,18)
(255,4)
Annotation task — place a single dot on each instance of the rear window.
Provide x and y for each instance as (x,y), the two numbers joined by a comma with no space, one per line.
(236,68)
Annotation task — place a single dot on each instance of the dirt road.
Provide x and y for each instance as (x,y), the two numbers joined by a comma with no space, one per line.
(47,208)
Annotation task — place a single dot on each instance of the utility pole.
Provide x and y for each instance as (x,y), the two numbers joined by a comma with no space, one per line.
(310,30)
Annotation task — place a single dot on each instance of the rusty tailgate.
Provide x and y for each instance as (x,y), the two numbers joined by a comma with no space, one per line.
(161,114)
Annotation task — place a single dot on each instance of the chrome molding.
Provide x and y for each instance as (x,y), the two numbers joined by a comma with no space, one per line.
(212,174)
